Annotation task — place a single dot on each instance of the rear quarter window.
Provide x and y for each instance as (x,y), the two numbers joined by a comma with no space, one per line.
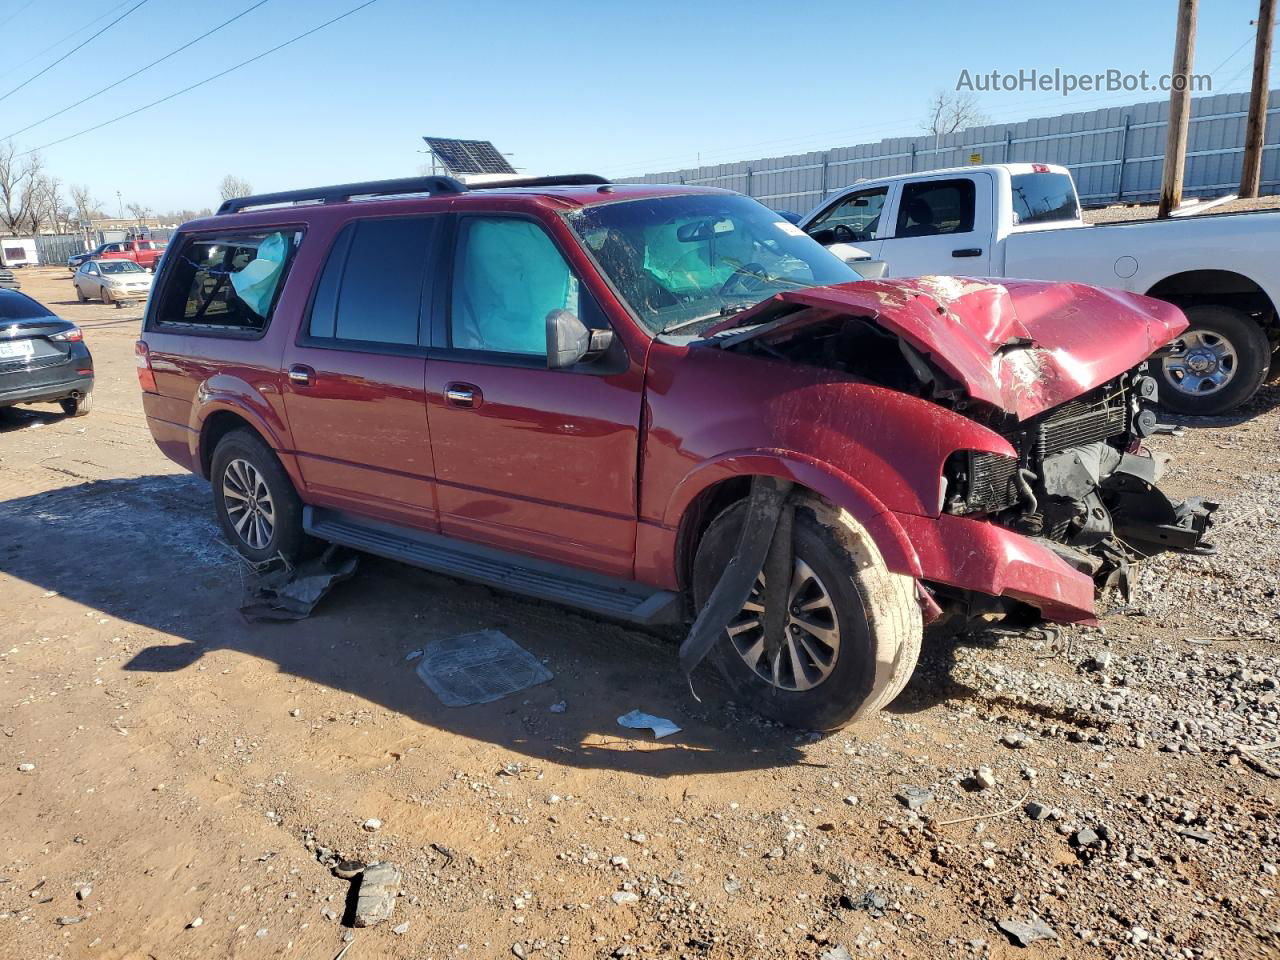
(225,282)
(18,306)
(1043,198)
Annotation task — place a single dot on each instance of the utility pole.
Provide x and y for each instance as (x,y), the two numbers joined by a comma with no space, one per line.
(1255,130)
(1175,151)
(119,205)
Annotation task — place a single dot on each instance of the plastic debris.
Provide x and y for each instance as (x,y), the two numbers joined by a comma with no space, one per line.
(636,720)
(478,668)
(292,593)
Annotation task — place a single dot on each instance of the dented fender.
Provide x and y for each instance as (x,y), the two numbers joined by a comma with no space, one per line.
(823,479)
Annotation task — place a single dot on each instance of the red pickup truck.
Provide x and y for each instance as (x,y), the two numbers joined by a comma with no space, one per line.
(658,403)
(145,253)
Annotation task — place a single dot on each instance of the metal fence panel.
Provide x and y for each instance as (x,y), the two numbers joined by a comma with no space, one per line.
(1116,154)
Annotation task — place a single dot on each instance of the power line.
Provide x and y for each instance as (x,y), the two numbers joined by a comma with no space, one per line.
(130,76)
(201,83)
(74,33)
(1235,53)
(73,50)
(16,13)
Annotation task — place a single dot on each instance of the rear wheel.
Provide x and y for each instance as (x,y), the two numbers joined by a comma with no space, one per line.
(255,501)
(853,627)
(1217,363)
(76,406)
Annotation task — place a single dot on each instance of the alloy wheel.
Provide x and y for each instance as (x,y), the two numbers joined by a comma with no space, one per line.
(811,637)
(248,503)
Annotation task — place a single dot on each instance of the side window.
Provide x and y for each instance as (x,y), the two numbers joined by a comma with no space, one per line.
(92,269)
(228,279)
(507,276)
(936,207)
(854,218)
(375,284)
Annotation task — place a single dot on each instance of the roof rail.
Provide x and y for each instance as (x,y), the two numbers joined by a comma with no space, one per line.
(560,180)
(345,191)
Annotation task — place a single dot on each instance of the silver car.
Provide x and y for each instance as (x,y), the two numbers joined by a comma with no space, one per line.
(112,281)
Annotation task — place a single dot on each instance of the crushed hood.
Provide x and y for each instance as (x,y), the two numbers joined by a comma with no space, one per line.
(1024,346)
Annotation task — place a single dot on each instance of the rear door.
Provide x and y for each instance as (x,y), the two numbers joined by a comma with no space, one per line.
(538,461)
(941,225)
(354,378)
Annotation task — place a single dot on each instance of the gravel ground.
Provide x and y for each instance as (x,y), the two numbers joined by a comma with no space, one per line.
(1147,211)
(177,782)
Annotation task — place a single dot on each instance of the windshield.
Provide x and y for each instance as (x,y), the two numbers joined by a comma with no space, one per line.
(684,261)
(119,266)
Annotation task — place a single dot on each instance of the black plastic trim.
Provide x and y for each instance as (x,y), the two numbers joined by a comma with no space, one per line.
(609,596)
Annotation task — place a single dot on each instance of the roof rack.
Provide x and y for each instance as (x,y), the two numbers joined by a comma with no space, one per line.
(342,192)
(560,180)
(345,191)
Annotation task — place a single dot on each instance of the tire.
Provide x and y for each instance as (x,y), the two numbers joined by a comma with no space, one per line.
(77,406)
(1215,329)
(80,295)
(286,539)
(875,611)
(106,297)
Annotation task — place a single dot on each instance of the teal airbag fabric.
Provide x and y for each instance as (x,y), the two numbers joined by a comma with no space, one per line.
(256,283)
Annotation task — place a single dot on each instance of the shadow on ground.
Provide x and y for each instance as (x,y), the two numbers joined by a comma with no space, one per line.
(146,550)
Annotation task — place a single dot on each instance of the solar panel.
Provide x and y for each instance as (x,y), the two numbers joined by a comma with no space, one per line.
(468,156)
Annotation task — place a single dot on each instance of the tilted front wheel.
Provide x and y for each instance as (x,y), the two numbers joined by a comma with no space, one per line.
(853,628)
(255,501)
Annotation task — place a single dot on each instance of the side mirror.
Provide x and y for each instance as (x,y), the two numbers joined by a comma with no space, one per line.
(570,341)
(868,269)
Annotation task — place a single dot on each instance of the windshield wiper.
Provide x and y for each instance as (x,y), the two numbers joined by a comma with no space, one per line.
(726,311)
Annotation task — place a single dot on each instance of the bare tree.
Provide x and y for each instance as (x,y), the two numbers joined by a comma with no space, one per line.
(33,193)
(951,111)
(233,187)
(16,175)
(86,207)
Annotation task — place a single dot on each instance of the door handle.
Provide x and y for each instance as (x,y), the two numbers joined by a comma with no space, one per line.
(967,252)
(463,395)
(301,375)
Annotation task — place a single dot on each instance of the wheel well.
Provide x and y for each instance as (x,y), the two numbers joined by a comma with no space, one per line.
(706,506)
(1224,287)
(217,426)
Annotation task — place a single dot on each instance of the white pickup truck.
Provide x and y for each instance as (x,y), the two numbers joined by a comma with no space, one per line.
(1023,220)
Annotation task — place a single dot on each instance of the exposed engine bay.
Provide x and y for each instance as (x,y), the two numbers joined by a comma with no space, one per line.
(1082,482)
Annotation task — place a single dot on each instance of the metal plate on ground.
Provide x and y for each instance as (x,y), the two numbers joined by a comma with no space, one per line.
(478,668)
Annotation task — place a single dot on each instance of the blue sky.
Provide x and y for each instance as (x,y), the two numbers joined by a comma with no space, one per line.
(614,88)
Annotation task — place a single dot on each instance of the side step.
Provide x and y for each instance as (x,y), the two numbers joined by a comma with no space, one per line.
(544,580)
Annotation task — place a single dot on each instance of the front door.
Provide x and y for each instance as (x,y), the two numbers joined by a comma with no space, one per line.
(942,226)
(354,380)
(528,459)
(850,226)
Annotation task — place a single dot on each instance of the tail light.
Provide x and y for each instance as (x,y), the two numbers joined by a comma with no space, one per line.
(1039,168)
(66,336)
(146,376)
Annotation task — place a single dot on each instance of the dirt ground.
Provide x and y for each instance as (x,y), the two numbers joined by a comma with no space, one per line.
(188,764)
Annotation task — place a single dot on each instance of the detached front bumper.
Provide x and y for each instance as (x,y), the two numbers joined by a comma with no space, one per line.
(981,557)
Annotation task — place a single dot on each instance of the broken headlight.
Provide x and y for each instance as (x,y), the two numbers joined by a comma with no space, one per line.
(980,482)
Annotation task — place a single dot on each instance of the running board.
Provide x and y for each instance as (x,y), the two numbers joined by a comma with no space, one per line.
(541,579)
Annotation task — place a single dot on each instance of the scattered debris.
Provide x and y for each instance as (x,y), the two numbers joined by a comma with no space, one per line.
(479,668)
(625,896)
(291,593)
(913,798)
(82,893)
(26,767)
(195,922)
(986,816)
(836,953)
(558,707)
(373,824)
(376,897)
(1016,740)
(348,869)
(1024,933)
(985,778)
(635,720)
(412,655)
(401,929)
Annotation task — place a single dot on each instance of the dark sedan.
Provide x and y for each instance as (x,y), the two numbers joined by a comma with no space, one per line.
(43,358)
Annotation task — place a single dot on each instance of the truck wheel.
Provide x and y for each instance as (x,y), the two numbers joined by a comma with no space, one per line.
(853,632)
(1217,363)
(254,499)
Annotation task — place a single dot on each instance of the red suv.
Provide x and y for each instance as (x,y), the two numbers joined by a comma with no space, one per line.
(656,402)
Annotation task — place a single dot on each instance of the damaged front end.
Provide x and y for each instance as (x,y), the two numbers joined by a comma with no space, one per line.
(1082,483)
(1055,369)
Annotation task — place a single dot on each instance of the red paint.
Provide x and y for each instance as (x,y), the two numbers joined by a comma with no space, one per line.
(604,471)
